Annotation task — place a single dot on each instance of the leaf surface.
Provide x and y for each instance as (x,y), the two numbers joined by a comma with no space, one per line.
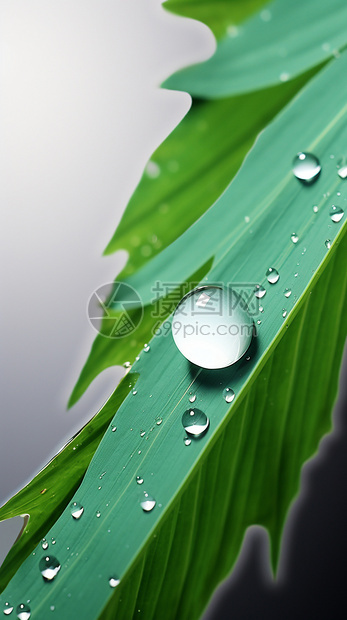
(219,15)
(208,148)
(246,468)
(275,45)
(46,496)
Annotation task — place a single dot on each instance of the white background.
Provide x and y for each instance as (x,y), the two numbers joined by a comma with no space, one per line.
(81,113)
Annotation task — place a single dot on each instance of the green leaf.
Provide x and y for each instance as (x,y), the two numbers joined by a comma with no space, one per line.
(46,496)
(219,15)
(279,43)
(246,468)
(216,136)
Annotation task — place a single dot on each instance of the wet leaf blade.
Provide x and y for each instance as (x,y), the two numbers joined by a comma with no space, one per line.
(277,44)
(259,443)
(217,135)
(219,15)
(47,495)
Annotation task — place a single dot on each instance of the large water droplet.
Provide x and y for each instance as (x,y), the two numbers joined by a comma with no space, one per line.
(8,609)
(44,544)
(148,503)
(287,292)
(139,479)
(259,291)
(294,237)
(272,275)
(195,422)
(228,394)
(306,167)
(211,327)
(336,213)
(113,581)
(49,567)
(77,510)
(23,611)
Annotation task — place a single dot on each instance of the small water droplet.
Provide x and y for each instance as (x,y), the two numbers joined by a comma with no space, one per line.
(158,422)
(265,15)
(195,422)
(187,441)
(99,488)
(342,171)
(284,312)
(232,31)
(52,608)
(211,327)
(148,503)
(126,364)
(261,309)
(152,170)
(146,348)
(98,513)
(306,167)
(192,398)
(102,475)
(336,213)
(44,544)
(142,433)
(328,244)
(53,541)
(258,322)
(272,275)
(77,510)
(139,479)
(315,209)
(113,581)
(228,394)
(23,611)
(284,76)
(294,237)
(259,291)
(49,567)
(8,609)
(134,392)
(296,274)
(287,292)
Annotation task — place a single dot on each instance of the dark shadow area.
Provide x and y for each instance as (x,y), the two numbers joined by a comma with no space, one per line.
(311,582)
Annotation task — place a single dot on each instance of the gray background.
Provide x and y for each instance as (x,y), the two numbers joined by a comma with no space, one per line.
(80,115)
